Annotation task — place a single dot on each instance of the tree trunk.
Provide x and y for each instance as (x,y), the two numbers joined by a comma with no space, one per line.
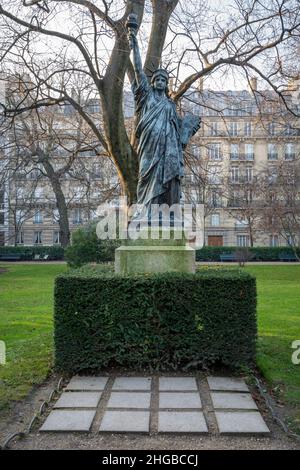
(64,227)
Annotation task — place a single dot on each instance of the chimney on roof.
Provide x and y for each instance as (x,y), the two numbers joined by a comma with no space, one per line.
(253,84)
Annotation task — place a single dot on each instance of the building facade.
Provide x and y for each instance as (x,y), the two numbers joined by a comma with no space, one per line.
(245,137)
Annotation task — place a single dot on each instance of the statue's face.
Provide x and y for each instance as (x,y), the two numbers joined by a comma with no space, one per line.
(160,83)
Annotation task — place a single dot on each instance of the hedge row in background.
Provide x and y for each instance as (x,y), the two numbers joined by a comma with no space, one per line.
(212,253)
(27,253)
(157,321)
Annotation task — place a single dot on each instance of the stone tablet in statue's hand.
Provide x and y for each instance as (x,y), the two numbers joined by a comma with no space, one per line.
(197,124)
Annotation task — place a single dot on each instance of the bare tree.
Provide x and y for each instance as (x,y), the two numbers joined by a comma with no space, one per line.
(76,35)
(281,208)
(53,148)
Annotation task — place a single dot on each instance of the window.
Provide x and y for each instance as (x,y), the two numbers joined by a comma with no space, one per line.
(234,174)
(272,152)
(214,129)
(215,199)
(38,193)
(77,219)
(38,219)
(271,128)
(242,240)
(234,151)
(273,175)
(289,151)
(55,216)
(56,237)
(20,238)
(247,129)
(233,129)
(37,238)
(97,170)
(291,240)
(35,174)
(195,149)
(249,151)
(215,220)
(274,241)
(214,151)
(249,174)
(1,218)
(214,175)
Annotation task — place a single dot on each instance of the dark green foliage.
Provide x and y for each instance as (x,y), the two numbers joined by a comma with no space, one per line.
(161,321)
(28,252)
(261,253)
(87,248)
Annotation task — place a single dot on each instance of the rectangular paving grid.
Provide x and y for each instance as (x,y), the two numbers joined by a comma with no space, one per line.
(125,421)
(132,383)
(177,384)
(129,400)
(231,384)
(239,422)
(179,400)
(69,420)
(171,404)
(78,400)
(87,383)
(242,401)
(181,421)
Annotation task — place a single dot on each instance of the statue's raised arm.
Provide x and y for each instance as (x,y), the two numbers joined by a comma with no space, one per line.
(132,25)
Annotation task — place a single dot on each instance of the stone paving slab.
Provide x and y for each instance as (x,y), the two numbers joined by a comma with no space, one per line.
(129,400)
(179,400)
(132,383)
(227,384)
(242,422)
(125,421)
(87,383)
(69,420)
(177,384)
(242,401)
(78,400)
(182,421)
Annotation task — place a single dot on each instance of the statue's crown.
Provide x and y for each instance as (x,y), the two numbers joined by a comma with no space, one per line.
(160,72)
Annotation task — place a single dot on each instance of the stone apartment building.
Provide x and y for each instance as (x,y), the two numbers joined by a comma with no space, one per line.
(242,134)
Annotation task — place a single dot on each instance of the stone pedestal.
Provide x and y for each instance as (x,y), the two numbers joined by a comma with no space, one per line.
(156,251)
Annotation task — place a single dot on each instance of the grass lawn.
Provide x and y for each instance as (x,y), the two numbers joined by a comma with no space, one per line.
(26,326)
(26,307)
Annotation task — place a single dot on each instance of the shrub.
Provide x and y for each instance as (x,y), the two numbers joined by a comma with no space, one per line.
(157,321)
(87,248)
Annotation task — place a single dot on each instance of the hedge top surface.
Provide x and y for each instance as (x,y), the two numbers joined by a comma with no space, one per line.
(106,271)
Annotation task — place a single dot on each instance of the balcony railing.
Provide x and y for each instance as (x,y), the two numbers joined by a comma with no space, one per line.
(242,156)
(289,156)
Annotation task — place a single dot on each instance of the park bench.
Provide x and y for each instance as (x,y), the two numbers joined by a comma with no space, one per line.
(227,257)
(10,257)
(287,257)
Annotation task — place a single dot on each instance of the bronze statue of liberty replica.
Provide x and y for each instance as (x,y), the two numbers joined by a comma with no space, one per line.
(161,133)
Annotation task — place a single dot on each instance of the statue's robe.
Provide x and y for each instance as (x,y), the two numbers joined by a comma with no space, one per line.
(159,149)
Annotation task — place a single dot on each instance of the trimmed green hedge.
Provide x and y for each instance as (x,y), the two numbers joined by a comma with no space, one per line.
(28,252)
(261,253)
(158,322)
